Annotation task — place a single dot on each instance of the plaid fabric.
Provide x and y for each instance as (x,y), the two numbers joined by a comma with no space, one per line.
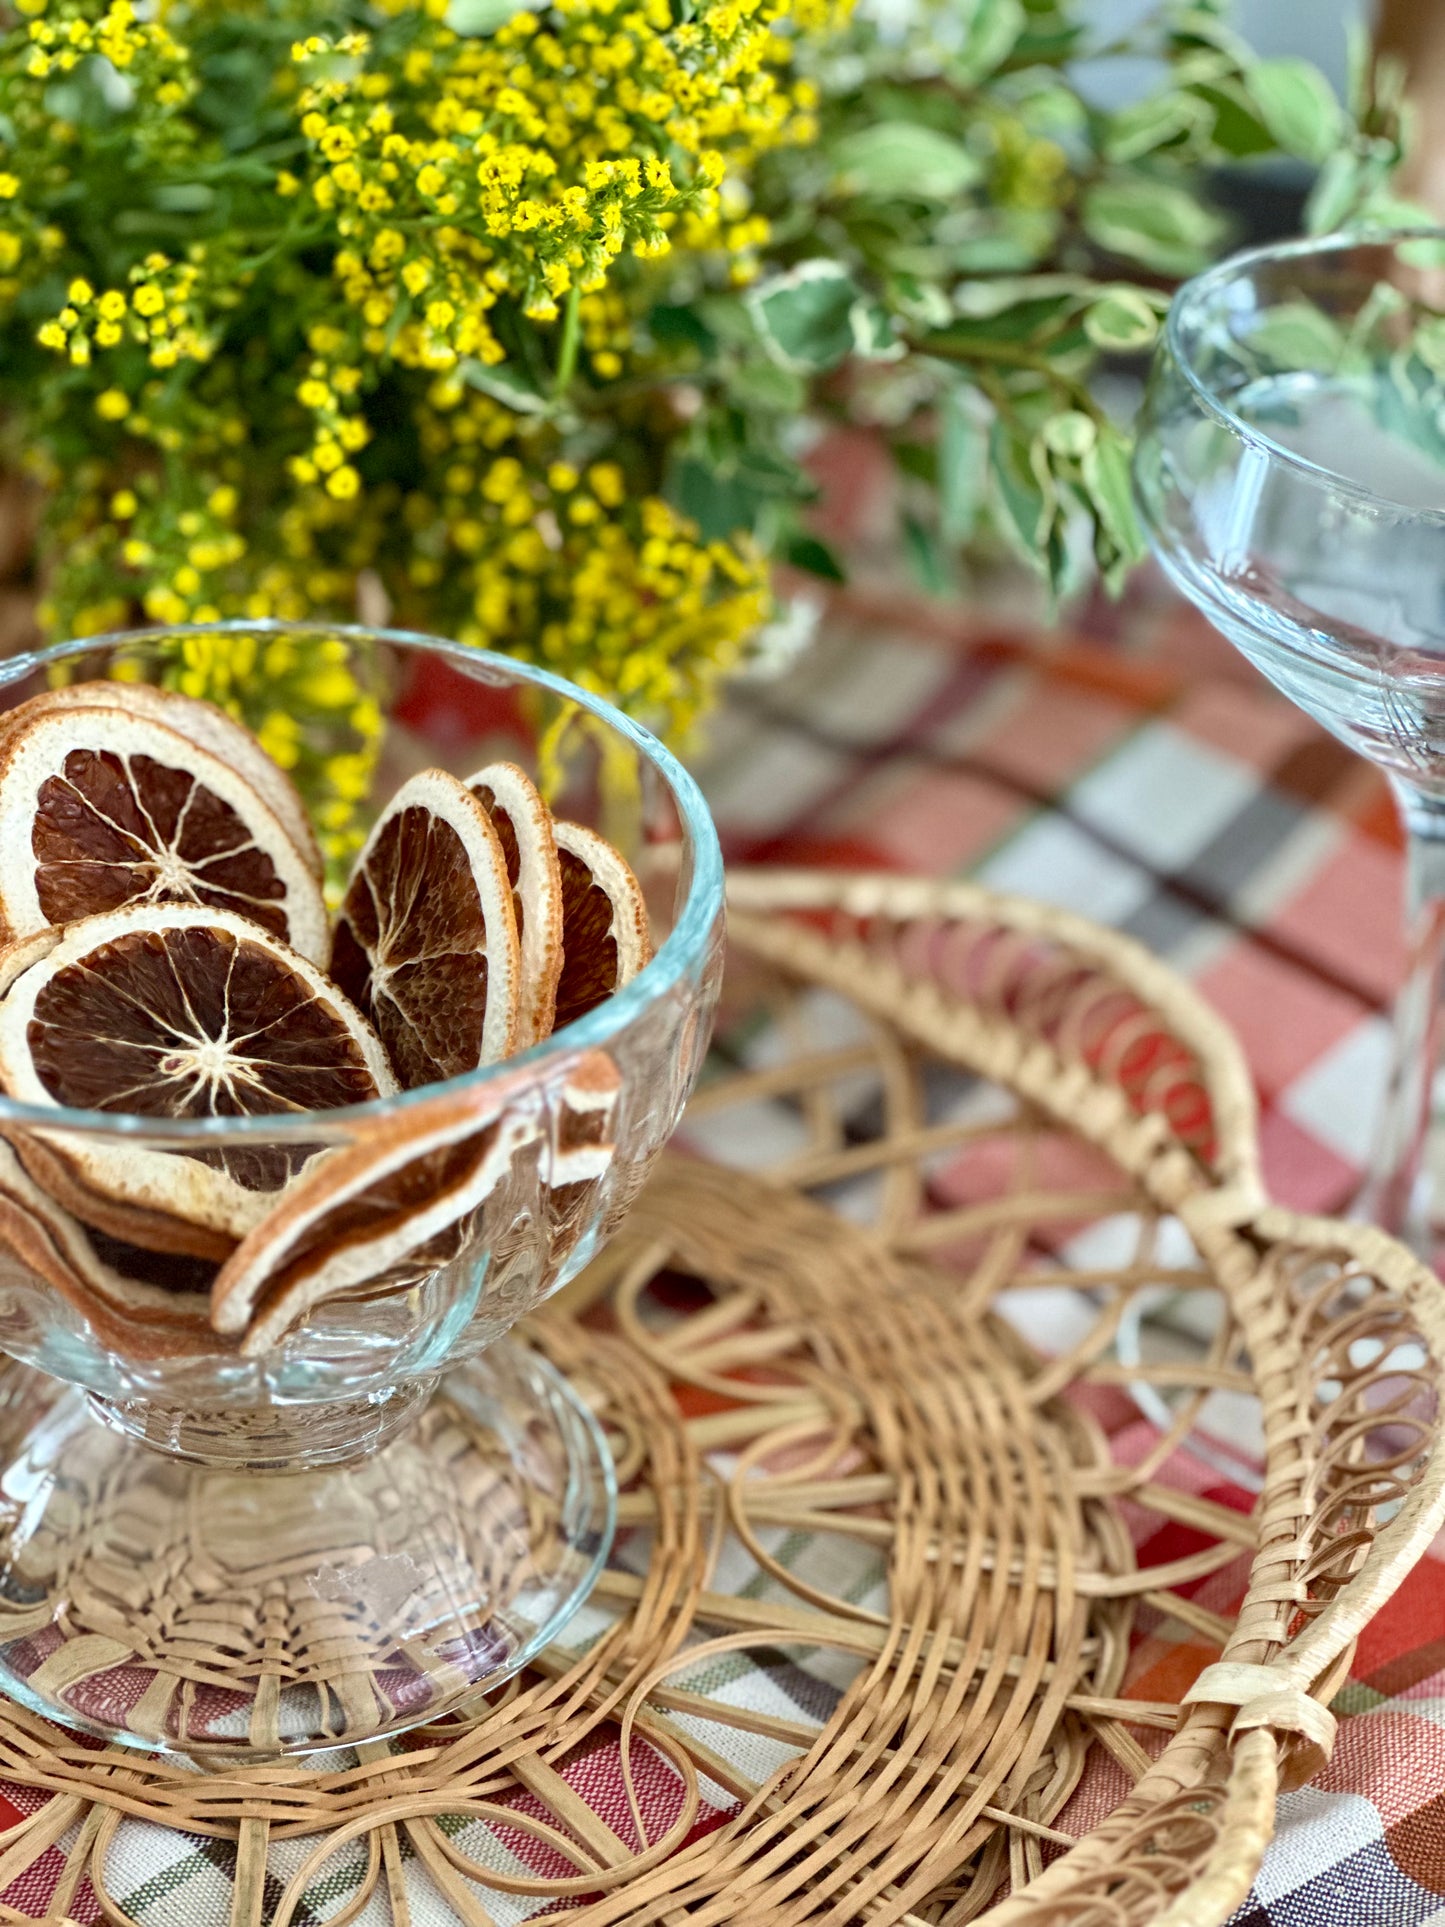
(1133,769)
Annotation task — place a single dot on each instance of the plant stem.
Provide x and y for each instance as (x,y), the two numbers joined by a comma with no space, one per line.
(1004,354)
(571,340)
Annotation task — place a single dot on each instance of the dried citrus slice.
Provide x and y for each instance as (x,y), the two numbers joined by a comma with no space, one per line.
(17,957)
(579,1142)
(133,1314)
(426,939)
(579,1152)
(158,1232)
(605,941)
(99,808)
(169,1011)
(209,728)
(524,829)
(391,1208)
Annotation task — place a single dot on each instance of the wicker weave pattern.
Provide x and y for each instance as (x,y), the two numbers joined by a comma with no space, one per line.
(862,1382)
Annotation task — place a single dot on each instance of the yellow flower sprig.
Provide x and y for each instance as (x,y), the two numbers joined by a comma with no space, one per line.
(259,378)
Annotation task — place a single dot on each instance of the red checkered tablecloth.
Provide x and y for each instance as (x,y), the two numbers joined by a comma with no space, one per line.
(1126,765)
(1129,766)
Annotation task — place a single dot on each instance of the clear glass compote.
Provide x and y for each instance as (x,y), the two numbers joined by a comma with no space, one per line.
(1291,476)
(392,1506)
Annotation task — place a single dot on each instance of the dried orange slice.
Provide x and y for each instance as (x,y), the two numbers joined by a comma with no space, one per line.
(128,1311)
(209,728)
(605,940)
(392,1208)
(100,807)
(168,1011)
(524,829)
(426,940)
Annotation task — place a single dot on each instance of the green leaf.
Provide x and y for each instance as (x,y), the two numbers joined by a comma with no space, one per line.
(980,299)
(1205,27)
(1153,223)
(805,315)
(959,458)
(929,564)
(1429,345)
(1296,335)
(1149,124)
(727,317)
(874,336)
(505,383)
(1054,111)
(807,552)
(472,17)
(673,326)
(764,385)
(1123,322)
(1237,130)
(1020,321)
(1297,105)
(721,505)
(1070,434)
(1026,505)
(1337,191)
(992,30)
(1105,474)
(897,157)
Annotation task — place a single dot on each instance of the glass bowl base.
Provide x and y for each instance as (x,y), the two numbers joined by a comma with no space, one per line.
(238,1614)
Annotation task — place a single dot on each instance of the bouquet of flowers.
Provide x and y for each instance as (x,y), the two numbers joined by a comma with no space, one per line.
(517,322)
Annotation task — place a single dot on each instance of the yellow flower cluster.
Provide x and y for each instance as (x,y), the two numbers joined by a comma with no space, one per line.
(287,405)
(525,162)
(62,39)
(617,594)
(330,395)
(607,331)
(162,312)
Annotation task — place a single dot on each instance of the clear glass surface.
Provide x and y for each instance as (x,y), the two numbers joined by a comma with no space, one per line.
(1291,475)
(420,1516)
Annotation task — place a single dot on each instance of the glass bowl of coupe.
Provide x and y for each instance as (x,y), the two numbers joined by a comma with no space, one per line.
(290,1139)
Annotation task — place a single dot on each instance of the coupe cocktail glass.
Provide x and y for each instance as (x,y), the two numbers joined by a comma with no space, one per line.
(1291,476)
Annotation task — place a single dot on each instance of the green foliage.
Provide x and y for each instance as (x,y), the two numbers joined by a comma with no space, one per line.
(529,316)
(1018,237)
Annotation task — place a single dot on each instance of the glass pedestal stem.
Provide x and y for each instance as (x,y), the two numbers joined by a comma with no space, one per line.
(1404,1191)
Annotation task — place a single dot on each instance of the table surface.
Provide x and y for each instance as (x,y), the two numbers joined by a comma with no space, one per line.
(1131,767)
(1128,766)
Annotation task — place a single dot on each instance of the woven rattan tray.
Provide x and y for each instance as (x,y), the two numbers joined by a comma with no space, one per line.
(1005,1108)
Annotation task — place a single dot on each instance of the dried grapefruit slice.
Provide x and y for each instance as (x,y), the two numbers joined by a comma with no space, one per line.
(391,1208)
(132,1314)
(99,808)
(158,1232)
(205,725)
(605,940)
(17,957)
(426,940)
(168,1011)
(524,829)
(579,1151)
(579,1139)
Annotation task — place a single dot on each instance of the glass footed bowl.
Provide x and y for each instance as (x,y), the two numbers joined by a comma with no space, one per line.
(390,1506)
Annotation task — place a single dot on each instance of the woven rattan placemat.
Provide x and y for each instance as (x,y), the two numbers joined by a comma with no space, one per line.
(842,1469)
